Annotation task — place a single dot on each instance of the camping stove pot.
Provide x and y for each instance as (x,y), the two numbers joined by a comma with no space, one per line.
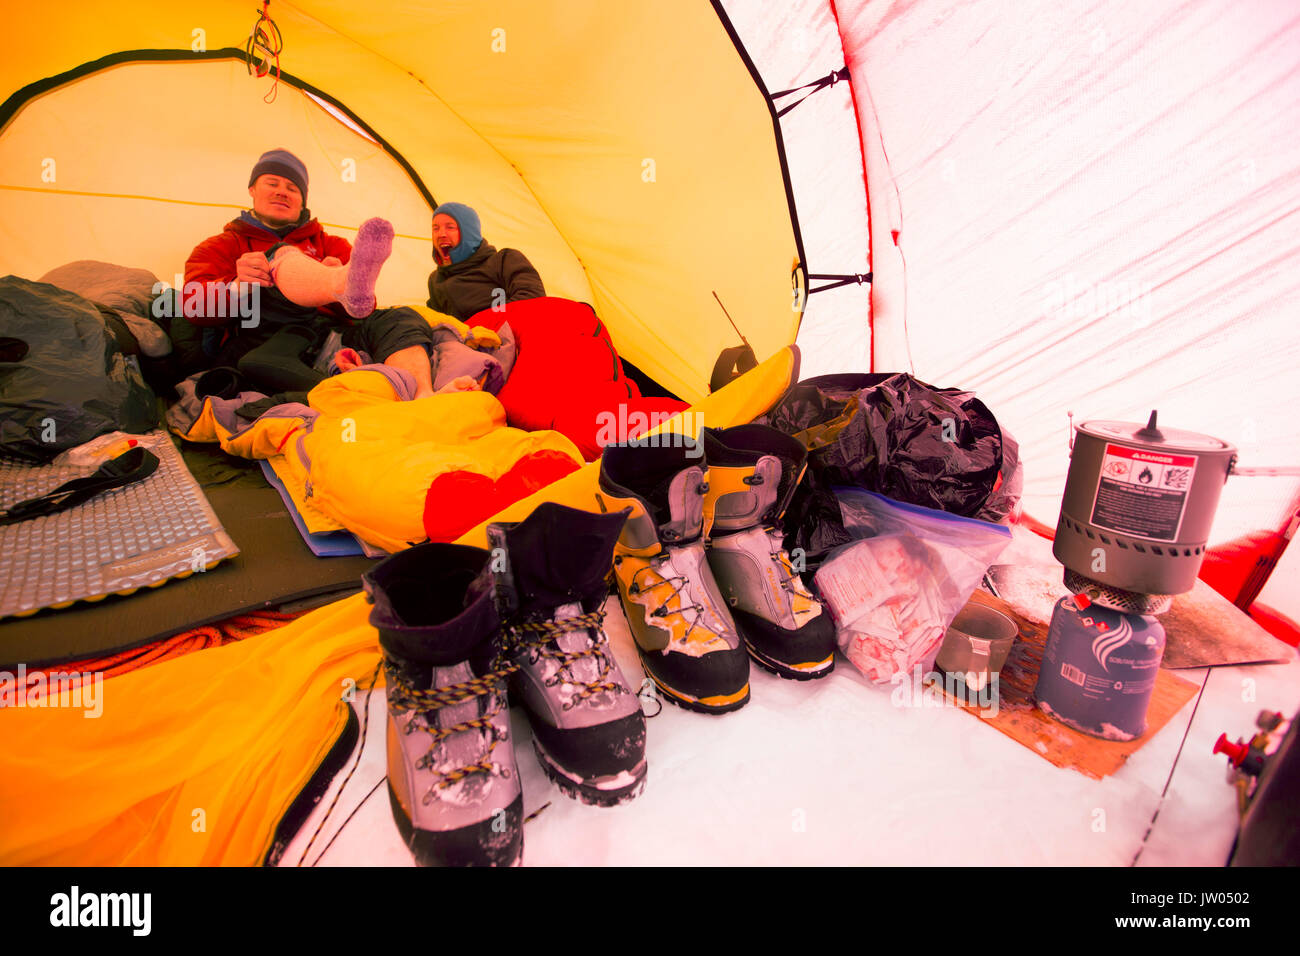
(1099,668)
(1138,505)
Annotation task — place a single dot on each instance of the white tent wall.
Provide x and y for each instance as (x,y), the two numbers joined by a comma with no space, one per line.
(791,46)
(1098,211)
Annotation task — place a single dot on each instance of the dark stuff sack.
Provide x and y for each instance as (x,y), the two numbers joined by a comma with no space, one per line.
(897,436)
(63,379)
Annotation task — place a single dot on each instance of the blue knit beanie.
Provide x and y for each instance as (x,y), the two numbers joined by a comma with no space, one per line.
(281,162)
(471,233)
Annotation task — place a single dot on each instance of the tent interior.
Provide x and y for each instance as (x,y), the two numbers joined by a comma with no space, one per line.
(1076,210)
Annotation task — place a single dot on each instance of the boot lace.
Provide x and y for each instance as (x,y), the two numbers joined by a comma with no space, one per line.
(678,582)
(790,582)
(403,697)
(538,638)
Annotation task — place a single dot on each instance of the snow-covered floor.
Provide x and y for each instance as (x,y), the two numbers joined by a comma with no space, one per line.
(832,772)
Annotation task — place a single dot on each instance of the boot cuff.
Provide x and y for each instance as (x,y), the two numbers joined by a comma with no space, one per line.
(746,444)
(646,470)
(756,440)
(558,554)
(428,608)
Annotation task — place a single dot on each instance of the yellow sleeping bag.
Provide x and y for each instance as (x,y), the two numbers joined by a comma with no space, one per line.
(395,472)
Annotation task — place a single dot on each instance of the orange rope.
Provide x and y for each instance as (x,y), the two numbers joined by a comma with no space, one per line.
(233,629)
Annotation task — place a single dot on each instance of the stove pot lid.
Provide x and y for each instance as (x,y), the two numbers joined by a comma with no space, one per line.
(1172,439)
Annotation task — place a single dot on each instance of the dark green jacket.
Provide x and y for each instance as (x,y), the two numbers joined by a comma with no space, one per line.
(471,286)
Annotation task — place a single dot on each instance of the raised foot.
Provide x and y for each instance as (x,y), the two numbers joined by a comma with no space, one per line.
(373,247)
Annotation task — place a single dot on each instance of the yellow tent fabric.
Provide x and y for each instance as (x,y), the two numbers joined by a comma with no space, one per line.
(624,147)
(196,761)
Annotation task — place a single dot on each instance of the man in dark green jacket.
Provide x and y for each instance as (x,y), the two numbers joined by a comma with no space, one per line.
(472,275)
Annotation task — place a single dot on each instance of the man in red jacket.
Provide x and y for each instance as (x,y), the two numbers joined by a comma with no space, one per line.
(268,348)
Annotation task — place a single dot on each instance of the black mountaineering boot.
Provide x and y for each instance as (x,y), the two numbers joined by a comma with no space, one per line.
(452,779)
(551,578)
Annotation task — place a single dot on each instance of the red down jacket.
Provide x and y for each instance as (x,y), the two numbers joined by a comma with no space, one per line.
(213,259)
(568,376)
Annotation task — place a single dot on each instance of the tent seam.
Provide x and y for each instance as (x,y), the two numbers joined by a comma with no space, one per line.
(779,142)
(178,202)
(862,154)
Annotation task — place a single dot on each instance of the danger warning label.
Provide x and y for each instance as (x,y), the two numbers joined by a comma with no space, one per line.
(1142,493)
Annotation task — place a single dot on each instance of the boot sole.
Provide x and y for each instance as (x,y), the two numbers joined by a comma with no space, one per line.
(453,847)
(725,705)
(822,668)
(584,790)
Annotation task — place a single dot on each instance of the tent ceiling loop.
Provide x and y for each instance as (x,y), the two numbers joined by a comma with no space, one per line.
(816,86)
(265,45)
(837,280)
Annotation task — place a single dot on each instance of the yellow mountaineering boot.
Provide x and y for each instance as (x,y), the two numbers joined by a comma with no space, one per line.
(753,472)
(685,636)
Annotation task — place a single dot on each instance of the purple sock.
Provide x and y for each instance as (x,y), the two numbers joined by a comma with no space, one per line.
(369,253)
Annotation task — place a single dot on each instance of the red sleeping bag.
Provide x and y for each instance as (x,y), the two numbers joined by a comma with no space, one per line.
(567,376)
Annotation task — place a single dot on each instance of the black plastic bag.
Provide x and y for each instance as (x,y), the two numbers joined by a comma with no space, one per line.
(63,380)
(892,434)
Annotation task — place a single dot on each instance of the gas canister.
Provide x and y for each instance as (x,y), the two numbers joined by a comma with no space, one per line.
(1099,668)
